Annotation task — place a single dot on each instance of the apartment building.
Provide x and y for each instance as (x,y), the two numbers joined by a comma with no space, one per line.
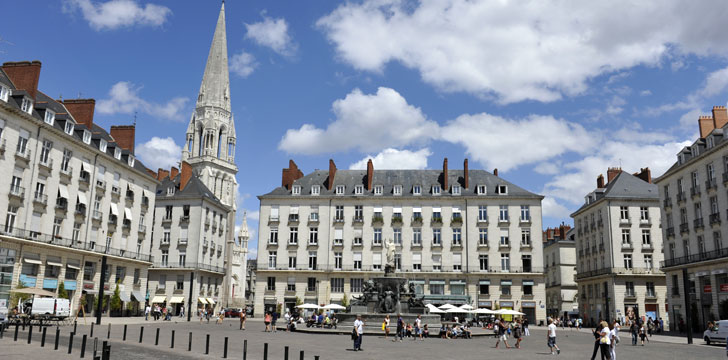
(461,236)
(559,254)
(618,243)
(73,194)
(694,199)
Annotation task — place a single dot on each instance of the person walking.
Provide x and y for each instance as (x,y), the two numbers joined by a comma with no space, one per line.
(643,334)
(518,334)
(597,340)
(274,319)
(525,327)
(400,328)
(604,341)
(418,328)
(243,316)
(147,310)
(358,333)
(182,312)
(502,334)
(634,329)
(551,338)
(613,340)
(385,326)
(266,321)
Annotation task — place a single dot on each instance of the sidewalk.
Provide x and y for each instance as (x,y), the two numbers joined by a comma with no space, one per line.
(671,338)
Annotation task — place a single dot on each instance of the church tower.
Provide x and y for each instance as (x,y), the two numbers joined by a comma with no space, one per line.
(210,140)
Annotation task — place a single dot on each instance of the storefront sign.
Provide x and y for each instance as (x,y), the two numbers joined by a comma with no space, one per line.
(485,303)
(707,289)
(723,287)
(506,304)
(529,304)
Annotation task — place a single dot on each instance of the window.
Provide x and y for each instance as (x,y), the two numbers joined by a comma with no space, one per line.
(482,213)
(501,189)
(357,261)
(417,214)
(311,284)
(339,213)
(117,153)
(623,213)
(480,189)
(272,260)
(312,260)
(180,284)
(50,117)
(338,237)
(506,287)
(102,145)
(377,239)
(437,288)
(503,214)
(358,189)
(57,224)
(526,237)
(626,237)
(714,207)
(457,262)
(648,261)
(273,239)
(67,154)
(483,260)
(397,235)
(701,245)
(483,236)
(76,231)
(340,189)
(314,215)
(417,190)
(525,213)
(86,136)
(417,261)
(457,239)
(437,214)
(271,283)
(69,127)
(22,142)
(378,189)
(162,281)
(165,257)
(505,262)
(527,287)
(416,237)
(296,190)
(26,106)
(436,190)
(4,92)
(293,236)
(316,190)
(292,261)
(377,261)
(398,261)
(504,239)
(436,237)
(629,288)
(484,287)
(650,289)
(646,238)
(182,258)
(397,190)
(313,236)
(338,260)
(526,262)
(627,261)
(717,241)
(356,285)
(337,285)
(436,262)
(671,248)
(456,190)
(358,213)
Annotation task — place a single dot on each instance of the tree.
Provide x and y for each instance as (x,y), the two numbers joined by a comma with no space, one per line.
(15,297)
(279,307)
(345,301)
(298,301)
(116,300)
(62,293)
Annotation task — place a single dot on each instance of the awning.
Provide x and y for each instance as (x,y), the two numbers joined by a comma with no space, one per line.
(506,282)
(159,299)
(202,300)
(82,198)
(210,301)
(177,300)
(417,282)
(457,282)
(127,213)
(137,295)
(527,282)
(32,261)
(124,296)
(377,209)
(437,282)
(114,210)
(484,282)
(294,210)
(436,209)
(73,266)
(63,190)
(53,263)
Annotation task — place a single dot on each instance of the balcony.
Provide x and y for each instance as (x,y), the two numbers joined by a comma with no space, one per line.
(167,219)
(416,221)
(456,221)
(670,232)
(61,204)
(145,202)
(600,223)
(96,215)
(205,243)
(587,250)
(482,221)
(112,220)
(625,222)
(358,220)
(645,222)
(142,229)
(695,258)
(84,178)
(525,220)
(271,242)
(714,219)
(629,294)
(698,223)
(581,252)
(2,146)
(189,265)
(711,184)
(182,241)
(126,225)
(271,219)
(313,218)
(115,190)
(339,219)
(23,154)
(214,226)
(66,171)
(504,245)
(165,241)
(681,197)
(684,228)
(46,165)
(526,245)
(80,210)
(129,196)
(40,198)
(219,248)
(184,218)
(436,221)
(601,247)
(101,185)
(619,271)
(695,191)
(397,220)
(627,246)
(17,191)
(647,246)
(338,242)
(504,220)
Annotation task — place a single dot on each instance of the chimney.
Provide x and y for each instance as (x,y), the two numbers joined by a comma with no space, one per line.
(82,110)
(495,171)
(600,181)
(466,180)
(332,173)
(173,172)
(612,172)
(24,75)
(186,175)
(720,116)
(706,125)
(162,174)
(444,175)
(291,174)
(645,175)
(124,136)
(370,174)
(152,173)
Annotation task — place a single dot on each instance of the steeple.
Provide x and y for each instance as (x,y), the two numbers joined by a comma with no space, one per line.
(215,88)
(244,233)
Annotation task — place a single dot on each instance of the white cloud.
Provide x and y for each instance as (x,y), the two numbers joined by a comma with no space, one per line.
(159,153)
(272,33)
(521,50)
(645,93)
(243,64)
(252,250)
(116,14)
(551,208)
(124,99)
(364,122)
(715,83)
(395,159)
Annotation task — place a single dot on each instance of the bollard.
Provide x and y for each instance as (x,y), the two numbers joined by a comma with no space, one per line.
(15,338)
(74,325)
(42,338)
(316,357)
(224,351)
(285,353)
(207,345)
(105,351)
(172,345)
(83,346)
(2,330)
(70,343)
(141,334)
(189,344)
(265,351)
(58,335)
(124,339)
(156,338)
(245,349)
(30,334)
(92,330)
(108,332)
(96,348)
(301,354)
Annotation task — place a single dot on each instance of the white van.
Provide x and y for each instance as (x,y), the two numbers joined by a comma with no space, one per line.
(48,308)
(718,333)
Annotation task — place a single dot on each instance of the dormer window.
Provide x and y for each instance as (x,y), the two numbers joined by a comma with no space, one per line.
(102,145)
(480,189)
(117,153)
(456,189)
(131,160)
(358,189)
(340,189)
(378,189)
(4,92)
(680,158)
(398,190)
(26,105)
(296,190)
(501,190)
(69,128)
(710,142)
(50,117)
(417,190)
(436,190)
(170,191)
(694,150)
(316,190)
(86,136)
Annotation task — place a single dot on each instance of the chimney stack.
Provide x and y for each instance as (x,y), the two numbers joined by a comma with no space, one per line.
(495,171)
(644,174)
(162,174)
(332,174)
(444,175)
(124,136)
(24,75)
(720,116)
(173,172)
(82,110)
(466,180)
(600,181)
(612,172)
(291,174)
(706,124)
(370,174)
(186,175)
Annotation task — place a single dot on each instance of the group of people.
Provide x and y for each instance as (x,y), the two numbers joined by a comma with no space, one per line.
(606,338)
(160,312)
(518,329)
(415,330)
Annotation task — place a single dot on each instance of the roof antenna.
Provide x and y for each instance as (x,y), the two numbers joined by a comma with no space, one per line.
(79,94)
(60,96)
(135,116)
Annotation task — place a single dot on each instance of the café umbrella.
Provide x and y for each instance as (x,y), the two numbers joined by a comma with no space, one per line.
(308,306)
(334,307)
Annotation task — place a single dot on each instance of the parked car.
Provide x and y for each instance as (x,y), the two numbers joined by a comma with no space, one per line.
(47,308)
(718,333)
(233,312)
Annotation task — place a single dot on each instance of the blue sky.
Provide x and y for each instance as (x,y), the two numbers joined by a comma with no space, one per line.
(551,94)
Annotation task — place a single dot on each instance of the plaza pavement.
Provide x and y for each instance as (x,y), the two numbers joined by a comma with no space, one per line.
(573,343)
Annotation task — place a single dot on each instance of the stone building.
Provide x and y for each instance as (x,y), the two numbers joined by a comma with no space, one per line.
(73,194)
(559,254)
(618,242)
(462,236)
(696,258)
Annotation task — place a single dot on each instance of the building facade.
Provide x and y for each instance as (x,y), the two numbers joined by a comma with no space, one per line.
(73,194)
(693,199)
(618,242)
(462,237)
(239,265)
(559,254)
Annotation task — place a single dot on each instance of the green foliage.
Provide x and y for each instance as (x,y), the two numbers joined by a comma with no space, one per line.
(62,293)
(299,301)
(15,297)
(345,300)
(116,299)
(279,307)
(96,302)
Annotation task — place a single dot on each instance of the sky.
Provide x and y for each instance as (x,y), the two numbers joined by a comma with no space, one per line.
(549,93)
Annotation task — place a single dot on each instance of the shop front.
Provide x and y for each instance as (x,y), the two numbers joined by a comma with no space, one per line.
(506,305)
(529,308)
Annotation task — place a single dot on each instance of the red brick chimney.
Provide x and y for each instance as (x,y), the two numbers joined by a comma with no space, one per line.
(612,172)
(645,175)
(706,125)
(495,171)
(152,173)
(444,175)
(600,181)
(466,179)
(173,172)
(162,174)
(186,175)
(124,136)
(332,174)
(720,116)
(290,175)
(82,110)
(370,174)
(24,75)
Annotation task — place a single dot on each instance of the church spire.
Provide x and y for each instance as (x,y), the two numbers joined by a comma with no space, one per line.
(215,88)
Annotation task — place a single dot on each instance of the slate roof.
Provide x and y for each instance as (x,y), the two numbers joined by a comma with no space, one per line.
(624,186)
(407,178)
(195,189)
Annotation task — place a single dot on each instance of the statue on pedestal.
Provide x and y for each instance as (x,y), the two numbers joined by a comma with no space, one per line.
(390,247)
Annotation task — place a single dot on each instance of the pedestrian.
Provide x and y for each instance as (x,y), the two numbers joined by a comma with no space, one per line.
(147,310)
(418,328)
(634,329)
(525,327)
(613,340)
(182,312)
(643,334)
(266,321)
(243,315)
(274,318)
(551,338)
(517,334)
(400,328)
(597,340)
(358,333)
(385,326)
(604,340)
(502,334)
(220,317)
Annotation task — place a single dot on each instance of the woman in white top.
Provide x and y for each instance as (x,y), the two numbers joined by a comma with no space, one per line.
(613,336)
(604,341)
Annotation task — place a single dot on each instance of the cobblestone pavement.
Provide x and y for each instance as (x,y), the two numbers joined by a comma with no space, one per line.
(573,344)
